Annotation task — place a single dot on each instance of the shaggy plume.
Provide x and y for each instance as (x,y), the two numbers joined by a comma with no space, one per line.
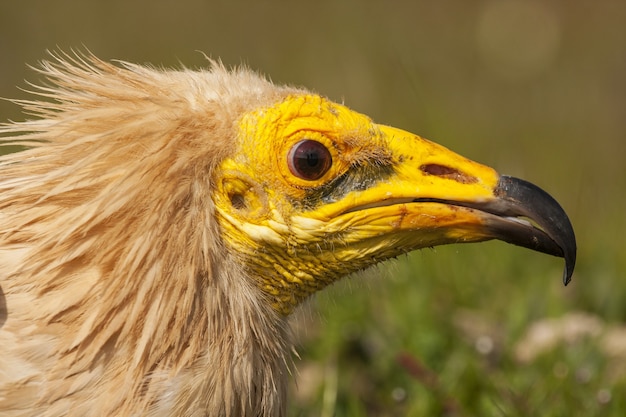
(110,257)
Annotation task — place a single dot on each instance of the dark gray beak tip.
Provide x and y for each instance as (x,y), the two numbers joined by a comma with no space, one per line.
(570,262)
(555,235)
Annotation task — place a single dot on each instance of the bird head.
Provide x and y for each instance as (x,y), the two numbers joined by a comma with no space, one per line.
(315,191)
(162,225)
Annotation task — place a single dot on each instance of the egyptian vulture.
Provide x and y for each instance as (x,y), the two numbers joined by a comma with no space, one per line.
(163,224)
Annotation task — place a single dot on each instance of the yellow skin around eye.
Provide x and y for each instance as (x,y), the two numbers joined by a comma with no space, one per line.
(299,250)
(295,119)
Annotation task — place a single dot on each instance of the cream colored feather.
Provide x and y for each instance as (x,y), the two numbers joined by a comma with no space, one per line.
(116,296)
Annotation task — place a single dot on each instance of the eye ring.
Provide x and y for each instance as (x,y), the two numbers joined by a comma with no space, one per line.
(309,160)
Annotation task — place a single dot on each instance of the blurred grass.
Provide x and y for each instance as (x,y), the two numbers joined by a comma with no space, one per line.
(536,89)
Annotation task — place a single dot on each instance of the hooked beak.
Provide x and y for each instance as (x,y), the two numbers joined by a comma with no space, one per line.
(434,196)
(516,199)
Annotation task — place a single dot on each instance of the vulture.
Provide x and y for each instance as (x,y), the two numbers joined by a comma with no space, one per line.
(159,226)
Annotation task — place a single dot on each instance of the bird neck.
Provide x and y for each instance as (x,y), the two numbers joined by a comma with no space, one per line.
(243,370)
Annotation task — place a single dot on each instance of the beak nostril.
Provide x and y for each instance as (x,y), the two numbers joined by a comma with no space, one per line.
(448,173)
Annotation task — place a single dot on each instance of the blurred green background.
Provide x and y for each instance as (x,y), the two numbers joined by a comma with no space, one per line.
(536,89)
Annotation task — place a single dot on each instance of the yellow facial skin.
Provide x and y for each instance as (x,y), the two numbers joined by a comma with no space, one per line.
(308,233)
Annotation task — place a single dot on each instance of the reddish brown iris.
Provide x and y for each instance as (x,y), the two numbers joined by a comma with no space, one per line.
(309,160)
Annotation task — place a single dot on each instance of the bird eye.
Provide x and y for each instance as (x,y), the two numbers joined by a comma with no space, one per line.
(309,160)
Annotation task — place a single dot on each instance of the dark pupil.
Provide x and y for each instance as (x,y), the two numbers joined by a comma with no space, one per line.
(309,160)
